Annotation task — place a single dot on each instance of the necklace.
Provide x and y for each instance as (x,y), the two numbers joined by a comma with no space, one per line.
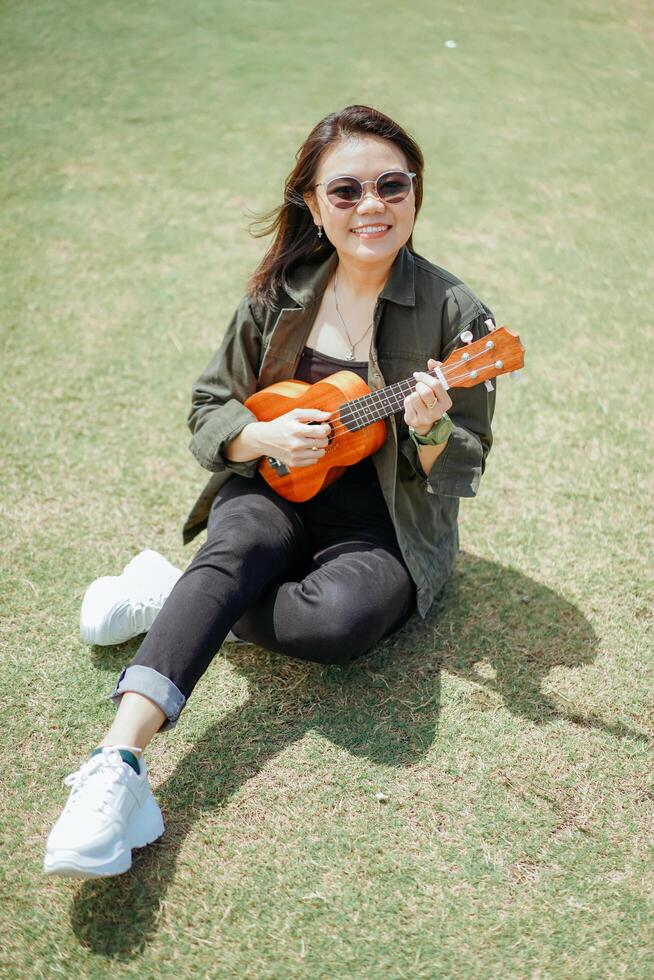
(351,345)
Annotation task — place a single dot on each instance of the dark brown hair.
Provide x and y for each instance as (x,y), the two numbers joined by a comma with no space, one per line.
(295,232)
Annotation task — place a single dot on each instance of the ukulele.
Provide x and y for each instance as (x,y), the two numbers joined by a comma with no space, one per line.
(357,413)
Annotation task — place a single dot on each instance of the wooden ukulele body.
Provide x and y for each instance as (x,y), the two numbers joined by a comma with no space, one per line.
(346,446)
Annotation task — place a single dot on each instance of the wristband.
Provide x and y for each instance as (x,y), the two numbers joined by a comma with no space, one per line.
(438,433)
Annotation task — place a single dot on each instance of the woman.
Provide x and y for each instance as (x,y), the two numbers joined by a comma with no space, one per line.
(324,580)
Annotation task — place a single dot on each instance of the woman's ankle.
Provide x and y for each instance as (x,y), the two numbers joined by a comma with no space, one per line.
(137,721)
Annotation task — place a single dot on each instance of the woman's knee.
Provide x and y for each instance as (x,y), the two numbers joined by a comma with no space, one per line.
(327,620)
(323,631)
(251,528)
(250,508)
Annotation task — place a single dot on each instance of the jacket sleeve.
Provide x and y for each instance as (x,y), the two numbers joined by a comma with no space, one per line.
(459,468)
(217,411)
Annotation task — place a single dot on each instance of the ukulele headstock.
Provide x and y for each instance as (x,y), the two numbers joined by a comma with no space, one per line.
(499,352)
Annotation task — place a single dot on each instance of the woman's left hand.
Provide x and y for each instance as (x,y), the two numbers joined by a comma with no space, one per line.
(428,402)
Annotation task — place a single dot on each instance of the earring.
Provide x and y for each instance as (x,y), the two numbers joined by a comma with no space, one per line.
(319,231)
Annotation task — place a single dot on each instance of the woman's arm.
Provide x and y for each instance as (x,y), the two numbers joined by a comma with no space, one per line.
(217,413)
(428,455)
(457,469)
(423,409)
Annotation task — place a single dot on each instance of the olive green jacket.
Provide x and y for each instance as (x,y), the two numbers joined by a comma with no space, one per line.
(420,313)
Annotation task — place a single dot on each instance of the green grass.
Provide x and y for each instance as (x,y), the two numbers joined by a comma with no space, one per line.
(511,733)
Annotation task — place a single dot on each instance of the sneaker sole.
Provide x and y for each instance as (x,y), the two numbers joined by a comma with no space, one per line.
(94,637)
(71,864)
(74,864)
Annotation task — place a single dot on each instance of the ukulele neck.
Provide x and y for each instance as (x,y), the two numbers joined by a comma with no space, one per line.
(498,353)
(366,409)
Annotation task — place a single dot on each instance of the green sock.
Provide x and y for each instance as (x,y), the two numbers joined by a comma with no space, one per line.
(128,757)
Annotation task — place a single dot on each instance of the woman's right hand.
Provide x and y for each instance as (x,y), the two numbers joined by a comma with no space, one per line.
(297,438)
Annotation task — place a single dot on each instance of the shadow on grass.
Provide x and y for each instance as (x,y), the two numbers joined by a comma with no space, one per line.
(494,626)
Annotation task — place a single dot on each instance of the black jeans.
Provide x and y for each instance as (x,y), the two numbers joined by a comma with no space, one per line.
(322,580)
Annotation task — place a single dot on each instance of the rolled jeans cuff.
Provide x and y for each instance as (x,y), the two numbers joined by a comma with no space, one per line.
(153,685)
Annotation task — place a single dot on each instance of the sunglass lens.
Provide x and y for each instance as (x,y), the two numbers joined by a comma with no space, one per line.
(393,186)
(344,192)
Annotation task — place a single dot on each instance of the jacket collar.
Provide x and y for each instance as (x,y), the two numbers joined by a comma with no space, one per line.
(400,286)
(307,282)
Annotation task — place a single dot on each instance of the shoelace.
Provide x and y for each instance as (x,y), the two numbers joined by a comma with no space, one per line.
(110,766)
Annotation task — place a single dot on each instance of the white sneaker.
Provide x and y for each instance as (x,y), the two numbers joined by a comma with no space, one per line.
(117,608)
(233,638)
(110,810)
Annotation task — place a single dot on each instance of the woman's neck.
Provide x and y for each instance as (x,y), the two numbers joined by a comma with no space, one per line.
(360,279)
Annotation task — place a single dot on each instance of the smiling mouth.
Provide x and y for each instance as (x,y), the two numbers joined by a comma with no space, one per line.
(370,229)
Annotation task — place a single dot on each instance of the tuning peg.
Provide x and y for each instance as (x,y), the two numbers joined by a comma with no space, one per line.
(515,377)
(488,385)
(466,337)
(491,326)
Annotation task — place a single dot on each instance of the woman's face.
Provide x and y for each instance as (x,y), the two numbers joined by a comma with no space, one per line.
(366,158)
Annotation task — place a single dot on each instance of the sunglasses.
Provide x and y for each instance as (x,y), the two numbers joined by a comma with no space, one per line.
(392,187)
